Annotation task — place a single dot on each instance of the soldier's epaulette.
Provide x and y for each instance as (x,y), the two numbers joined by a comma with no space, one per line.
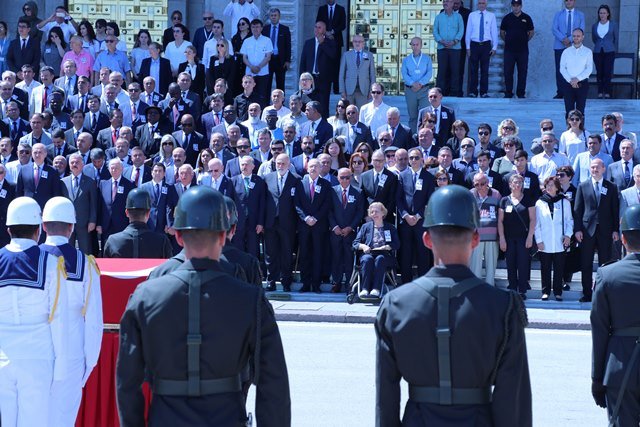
(519,307)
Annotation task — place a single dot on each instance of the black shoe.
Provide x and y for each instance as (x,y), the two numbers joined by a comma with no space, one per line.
(286,288)
(558,297)
(566,287)
(528,286)
(472,95)
(558,96)
(585,299)
(485,95)
(336,288)
(317,289)
(305,288)
(508,95)
(271,287)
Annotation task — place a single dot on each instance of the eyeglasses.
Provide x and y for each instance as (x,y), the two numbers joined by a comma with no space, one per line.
(277,149)
(390,156)
(384,139)
(357,162)
(344,178)
(110,41)
(483,133)
(23,151)
(433,122)
(167,143)
(561,175)
(479,184)
(574,119)
(547,129)
(509,128)
(466,146)
(415,157)
(242,147)
(207,18)
(443,179)
(376,92)
(508,144)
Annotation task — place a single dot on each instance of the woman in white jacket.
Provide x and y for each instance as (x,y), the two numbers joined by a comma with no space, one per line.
(554,226)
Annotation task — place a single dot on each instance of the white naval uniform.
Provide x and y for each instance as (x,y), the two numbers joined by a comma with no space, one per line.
(32,334)
(84,334)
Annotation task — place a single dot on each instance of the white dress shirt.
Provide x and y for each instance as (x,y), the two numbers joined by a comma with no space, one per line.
(576,63)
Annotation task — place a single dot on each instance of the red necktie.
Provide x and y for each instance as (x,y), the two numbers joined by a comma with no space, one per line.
(114,190)
(312,189)
(36,176)
(114,136)
(306,162)
(344,198)
(136,176)
(44,98)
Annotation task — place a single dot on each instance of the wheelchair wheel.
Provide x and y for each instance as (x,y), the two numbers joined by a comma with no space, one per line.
(351,298)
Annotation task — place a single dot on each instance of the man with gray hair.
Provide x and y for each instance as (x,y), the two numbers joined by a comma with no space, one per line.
(631,195)
(96,169)
(620,172)
(254,123)
(291,141)
(112,201)
(296,114)
(80,189)
(546,163)
(400,134)
(250,199)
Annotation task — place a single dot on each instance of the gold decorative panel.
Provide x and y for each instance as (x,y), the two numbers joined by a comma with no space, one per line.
(130,15)
(388,26)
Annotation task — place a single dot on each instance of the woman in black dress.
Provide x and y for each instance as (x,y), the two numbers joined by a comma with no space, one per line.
(196,70)
(572,262)
(222,65)
(243,33)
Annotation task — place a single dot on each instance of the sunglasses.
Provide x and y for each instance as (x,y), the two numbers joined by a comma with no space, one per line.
(229,112)
(110,41)
(341,106)
(364,150)
(376,92)
(508,128)
(574,119)
(443,179)
(344,178)
(479,184)
(220,45)
(350,113)
(547,129)
(134,90)
(509,145)
(466,146)
(390,156)
(433,122)
(357,162)
(167,143)
(385,139)
(23,151)
(561,175)
(242,147)
(207,18)
(415,157)
(483,133)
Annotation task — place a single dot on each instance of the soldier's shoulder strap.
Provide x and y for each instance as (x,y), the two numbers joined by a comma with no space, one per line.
(431,285)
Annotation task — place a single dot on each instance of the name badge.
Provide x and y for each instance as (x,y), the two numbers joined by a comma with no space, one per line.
(419,184)
(216,64)
(569,195)
(492,154)
(417,71)
(164,190)
(444,115)
(83,60)
(44,174)
(358,131)
(365,55)
(492,212)
(527,182)
(47,50)
(293,192)
(120,189)
(316,142)
(180,107)
(490,181)
(318,188)
(387,235)
(142,119)
(3,193)
(251,185)
(351,199)
(63,124)
(603,191)
(450,176)
(383,179)
(508,209)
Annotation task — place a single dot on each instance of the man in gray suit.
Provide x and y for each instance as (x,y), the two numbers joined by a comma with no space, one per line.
(631,195)
(81,190)
(357,71)
(620,172)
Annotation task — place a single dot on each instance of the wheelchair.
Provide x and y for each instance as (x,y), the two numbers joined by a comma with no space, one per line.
(389,283)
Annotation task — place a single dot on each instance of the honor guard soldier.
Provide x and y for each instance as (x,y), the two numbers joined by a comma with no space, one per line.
(33,335)
(190,334)
(137,240)
(247,262)
(615,330)
(464,366)
(83,315)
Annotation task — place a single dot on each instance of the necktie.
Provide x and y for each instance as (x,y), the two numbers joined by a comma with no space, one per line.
(306,162)
(273,35)
(481,27)
(288,148)
(94,121)
(136,176)
(312,129)
(392,132)
(81,106)
(58,151)
(76,185)
(14,131)
(184,95)
(36,175)
(44,98)
(376,179)
(344,197)
(597,190)
(214,184)
(415,178)
(216,118)
(176,115)
(330,14)
(312,189)
(358,59)
(157,193)
(24,44)
(114,136)
(148,99)
(627,174)
(67,87)
(133,111)
(569,24)
(114,190)
(75,137)
(246,184)
(184,188)
(281,185)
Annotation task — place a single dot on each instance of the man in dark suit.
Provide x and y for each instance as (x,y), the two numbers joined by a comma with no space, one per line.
(59,146)
(414,190)
(6,151)
(111,202)
(345,215)
(610,138)
(323,65)
(614,342)
(38,181)
(445,158)
(426,143)
(149,135)
(7,194)
(217,145)
(317,126)
(81,190)
(243,148)
(596,215)
(280,36)
(621,172)
(174,107)
(251,193)
(139,172)
(312,205)
(77,120)
(401,134)
(301,161)
(335,18)
(354,131)
(494,178)
(107,137)
(280,223)
(163,65)
(163,200)
(79,99)
(23,49)
(189,139)
(187,94)
(137,106)
(380,185)
(17,127)
(95,120)
(149,95)
(97,169)
(445,116)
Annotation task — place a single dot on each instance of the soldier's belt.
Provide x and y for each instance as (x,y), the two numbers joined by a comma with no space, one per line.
(633,331)
(181,388)
(459,396)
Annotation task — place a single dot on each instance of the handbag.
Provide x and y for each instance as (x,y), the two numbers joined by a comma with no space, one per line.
(533,250)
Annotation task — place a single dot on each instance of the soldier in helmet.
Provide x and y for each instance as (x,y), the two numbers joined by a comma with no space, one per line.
(191,333)
(137,240)
(33,301)
(248,262)
(615,330)
(84,314)
(464,366)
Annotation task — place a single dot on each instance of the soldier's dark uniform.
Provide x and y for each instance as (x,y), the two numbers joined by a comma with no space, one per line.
(176,261)
(615,331)
(452,362)
(191,333)
(137,240)
(248,262)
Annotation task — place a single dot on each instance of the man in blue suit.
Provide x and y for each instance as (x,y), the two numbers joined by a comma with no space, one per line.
(280,223)
(564,22)
(40,181)
(347,212)
(112,200)
(163,200)
(232,168)
(312,205)
(251,193)
(414,190)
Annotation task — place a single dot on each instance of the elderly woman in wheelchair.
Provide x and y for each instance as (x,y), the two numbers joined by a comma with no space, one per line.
(377,241)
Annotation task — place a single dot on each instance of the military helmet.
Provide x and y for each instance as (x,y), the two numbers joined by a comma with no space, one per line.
(59,209)
(452,205)
(201,208)
(138,199)
(631,219)
(24,211)
(232,211)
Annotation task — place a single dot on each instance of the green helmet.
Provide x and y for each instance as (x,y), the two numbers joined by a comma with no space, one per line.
(232,210)
(631,219)
(452,205)
(138,199)
(201,208)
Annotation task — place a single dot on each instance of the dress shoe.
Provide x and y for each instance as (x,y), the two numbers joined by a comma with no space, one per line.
(558,297)
(363,293)
(374,293)
(271,287)
(508,95)
(566,287)
(600,95)
(607,96)
(472,95)
(336,288)
(585,299)
(485,95)
(545,297)
(305,288)
(557,96)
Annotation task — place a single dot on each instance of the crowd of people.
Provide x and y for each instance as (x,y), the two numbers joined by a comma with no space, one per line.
(87,119)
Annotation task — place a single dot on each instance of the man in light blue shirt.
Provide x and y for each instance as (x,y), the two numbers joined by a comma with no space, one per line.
(448,29)
(417,71)
(564,22)
(115,60)
(582,164)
